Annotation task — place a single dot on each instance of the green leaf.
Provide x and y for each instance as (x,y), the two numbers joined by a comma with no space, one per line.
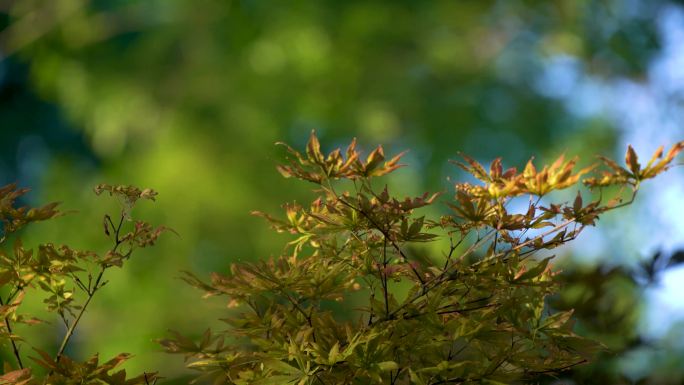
(280,366)
(415,379)
(205,363)
(388,365)
(535,271)
(334,352)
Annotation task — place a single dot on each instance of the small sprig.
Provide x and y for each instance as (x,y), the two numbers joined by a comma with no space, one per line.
(316,167)
(633,173)
(142,235)
(59,272)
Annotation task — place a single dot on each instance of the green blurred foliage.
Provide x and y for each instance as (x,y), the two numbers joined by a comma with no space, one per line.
(188,97)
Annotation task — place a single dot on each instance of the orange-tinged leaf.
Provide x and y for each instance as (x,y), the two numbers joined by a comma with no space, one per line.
(664,163)
(656,155)
(285,171)
(495,169)
(509,173)
(611,163)
(676,149)
(475,168)
(577,205)
(632,162)
(352,158)
(374,158)
(114,362)
(558,162)
(351,149)
(15,375)
(313,148)
(530,170)
(393,162)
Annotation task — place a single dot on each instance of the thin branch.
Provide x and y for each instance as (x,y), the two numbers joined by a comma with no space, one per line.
(91,292)
(383,277)
(15,348)
(80,283)
(452,248)
(64,320)
(560,369)
(549,232)
(71,329)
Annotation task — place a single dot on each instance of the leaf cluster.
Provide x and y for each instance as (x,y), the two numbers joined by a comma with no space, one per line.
(352,300)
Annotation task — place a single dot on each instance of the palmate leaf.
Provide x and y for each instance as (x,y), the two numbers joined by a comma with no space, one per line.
(633,172)
(13,217)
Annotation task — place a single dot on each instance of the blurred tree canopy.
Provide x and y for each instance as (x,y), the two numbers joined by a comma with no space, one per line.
(188,97)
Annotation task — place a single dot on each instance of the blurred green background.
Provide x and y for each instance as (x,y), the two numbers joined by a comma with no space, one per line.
(188,97)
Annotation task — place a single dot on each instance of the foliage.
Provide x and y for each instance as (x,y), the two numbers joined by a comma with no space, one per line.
(60,274)
(181,88)
(476,313)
